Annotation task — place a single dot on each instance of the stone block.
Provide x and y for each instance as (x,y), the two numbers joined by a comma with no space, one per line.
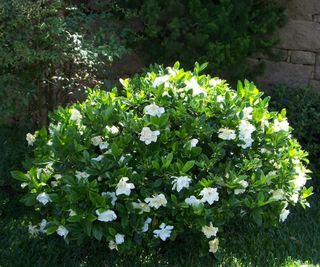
(303,9)
(316,18)
(300,35)
(303,57)
(315,84)
(317,68)
(294,75)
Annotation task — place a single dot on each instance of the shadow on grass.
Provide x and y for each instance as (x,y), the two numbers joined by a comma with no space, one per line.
(294,243)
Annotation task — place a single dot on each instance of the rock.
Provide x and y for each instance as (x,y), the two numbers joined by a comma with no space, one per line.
(300,35)
(294,75)
(316,18)
(303,57)
(303,9)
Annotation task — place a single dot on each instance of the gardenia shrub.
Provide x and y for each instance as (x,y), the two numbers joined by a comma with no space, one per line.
(171,156)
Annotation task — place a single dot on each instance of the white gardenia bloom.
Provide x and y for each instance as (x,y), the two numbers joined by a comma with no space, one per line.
(244,184)
(295,197)
(106,216)
(247,113)
(300,178)
(145,227)
(82,175)
(277,194)
(75,115)
(284,215)
(280,125)
(142,206)
(210,230)
(124,188)
(96,140)
(99,158)
(42,226)
(43,198)
(194,142)
(113,245)
(119,238)
(227,134)
(209,195)
(62,231)
(160,80)
(72,212)
(112,195)
(104,145)
(214,245)
(164,232)
(192,201)
(148,136)
(245,131)
(156,201)
(180,182)
(215,82)
(113,129)
(196,88)
(30,139)
(153,110)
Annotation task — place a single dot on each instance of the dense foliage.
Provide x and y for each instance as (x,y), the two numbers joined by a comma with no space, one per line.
(173,155)
(50,50)
(303,110)
(221,32)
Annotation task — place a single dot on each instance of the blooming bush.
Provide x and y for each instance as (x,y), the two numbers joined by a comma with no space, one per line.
(173,155)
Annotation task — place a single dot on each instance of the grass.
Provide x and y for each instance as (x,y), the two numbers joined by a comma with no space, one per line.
(295,243)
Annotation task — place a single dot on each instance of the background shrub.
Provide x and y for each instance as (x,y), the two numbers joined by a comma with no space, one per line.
(173,155)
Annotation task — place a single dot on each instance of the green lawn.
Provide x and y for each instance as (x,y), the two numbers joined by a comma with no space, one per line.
(295,243)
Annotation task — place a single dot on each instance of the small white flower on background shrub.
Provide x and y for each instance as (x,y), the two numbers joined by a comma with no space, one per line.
(44,198)
(123,187)
(153,110)
(30,139)
(106,216)
(148,136)
(140,144)
(164,232)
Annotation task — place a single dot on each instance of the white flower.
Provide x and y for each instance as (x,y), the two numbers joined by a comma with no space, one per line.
(112,195)
(220,99)
(244,184)
(148,136)
(280,125)
(75,115)
(156,201)
(145,227)
(295,197)
(300,178)
(33,230)
(209,195)
(30,139)
(43,198)
(113,129)
(196,88)
(72,212)
(192,201)
(245,131)
(277,194)
(42,226)
(57,176)
(96,140)
(180,182)
(247,113)
(142,206)
(62,231)
(104,145)
(124,188)
(99,158)
(214,245)
(209,231)
(153,110)
(215,82)
(82,175)
(164,232)
(194,142)
(160,80)
(106,216)
(227,134)
(113,245)
(119,238)
(284,214)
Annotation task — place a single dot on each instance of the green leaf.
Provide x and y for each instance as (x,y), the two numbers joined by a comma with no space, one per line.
(97,232)
(20,176)
(188,166)
(168,160)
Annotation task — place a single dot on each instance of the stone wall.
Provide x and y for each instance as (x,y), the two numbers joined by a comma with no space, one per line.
(298,50)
